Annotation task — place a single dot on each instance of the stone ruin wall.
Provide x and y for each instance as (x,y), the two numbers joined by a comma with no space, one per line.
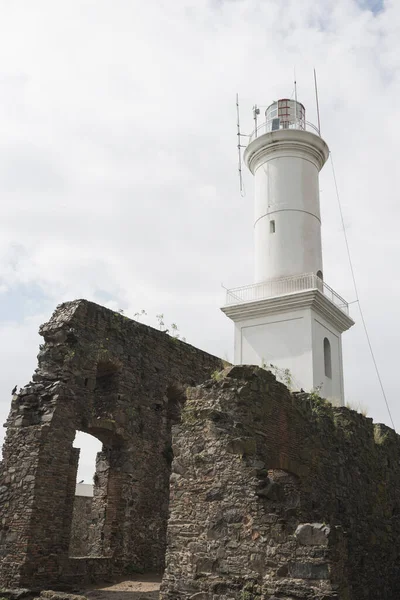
(280,496)
(272,496)
(79,544)
(123,382)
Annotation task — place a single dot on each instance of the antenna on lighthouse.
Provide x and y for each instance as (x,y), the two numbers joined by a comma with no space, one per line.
(316,98)
(239,147)
(256,112)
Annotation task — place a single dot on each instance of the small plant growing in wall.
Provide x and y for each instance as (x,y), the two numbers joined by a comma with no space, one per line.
(160,321)
(139,315)
(360,408)
(217,375)
(282,375)
(379,436)
(315,393)
(175,333)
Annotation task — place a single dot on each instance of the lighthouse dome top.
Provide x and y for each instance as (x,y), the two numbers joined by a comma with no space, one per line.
(283,114)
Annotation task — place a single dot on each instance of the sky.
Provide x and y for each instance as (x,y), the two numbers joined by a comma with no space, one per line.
(118,164)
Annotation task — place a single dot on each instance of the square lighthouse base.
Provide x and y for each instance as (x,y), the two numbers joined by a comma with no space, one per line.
(301,334)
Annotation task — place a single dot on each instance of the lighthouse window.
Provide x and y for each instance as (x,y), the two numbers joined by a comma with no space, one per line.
(327,358)
(272,226)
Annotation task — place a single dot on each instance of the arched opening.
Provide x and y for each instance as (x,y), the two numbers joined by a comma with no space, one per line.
(97,503)
(320,275)
(88,447)
(327,358)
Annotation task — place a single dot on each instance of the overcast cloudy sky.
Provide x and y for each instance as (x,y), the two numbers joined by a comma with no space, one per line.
(118,178)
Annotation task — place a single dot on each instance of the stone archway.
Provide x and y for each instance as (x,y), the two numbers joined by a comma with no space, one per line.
(105,375)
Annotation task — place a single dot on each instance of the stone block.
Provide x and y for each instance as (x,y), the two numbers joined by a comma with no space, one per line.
(313,534)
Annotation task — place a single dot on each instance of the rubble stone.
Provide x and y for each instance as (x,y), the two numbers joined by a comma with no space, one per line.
(286,497)
(123,382)
(268,495)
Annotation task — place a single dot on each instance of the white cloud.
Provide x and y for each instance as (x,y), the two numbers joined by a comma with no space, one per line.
(118,159)
(19,347)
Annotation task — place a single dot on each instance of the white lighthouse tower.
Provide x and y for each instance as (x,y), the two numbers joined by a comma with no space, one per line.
(289,317)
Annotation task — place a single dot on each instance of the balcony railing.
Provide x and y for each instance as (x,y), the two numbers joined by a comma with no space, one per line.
(283,286)
(278,123)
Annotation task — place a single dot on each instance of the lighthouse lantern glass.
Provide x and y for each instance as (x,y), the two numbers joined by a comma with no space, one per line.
(291,114)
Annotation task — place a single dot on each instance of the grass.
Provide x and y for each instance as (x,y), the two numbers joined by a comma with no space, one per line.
(360,408)
(379,436)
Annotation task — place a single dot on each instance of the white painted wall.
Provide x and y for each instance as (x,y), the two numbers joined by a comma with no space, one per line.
(332,387)
(284,340)
(286,166)
(294,340)
(287,193)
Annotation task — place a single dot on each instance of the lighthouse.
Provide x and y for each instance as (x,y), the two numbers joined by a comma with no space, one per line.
(289,317)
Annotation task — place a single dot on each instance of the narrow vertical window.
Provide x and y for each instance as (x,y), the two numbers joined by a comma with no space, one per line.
(272,226)
(320,275)
(327,358)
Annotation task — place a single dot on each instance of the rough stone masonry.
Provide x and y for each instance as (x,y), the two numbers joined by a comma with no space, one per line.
(280,496)
(273,495)
(124,383)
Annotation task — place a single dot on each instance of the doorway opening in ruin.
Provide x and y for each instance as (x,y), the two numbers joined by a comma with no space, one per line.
(98,527)
(110,477)
(89,447)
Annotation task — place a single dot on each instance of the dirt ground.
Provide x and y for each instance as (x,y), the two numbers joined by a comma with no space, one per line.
(140,587)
